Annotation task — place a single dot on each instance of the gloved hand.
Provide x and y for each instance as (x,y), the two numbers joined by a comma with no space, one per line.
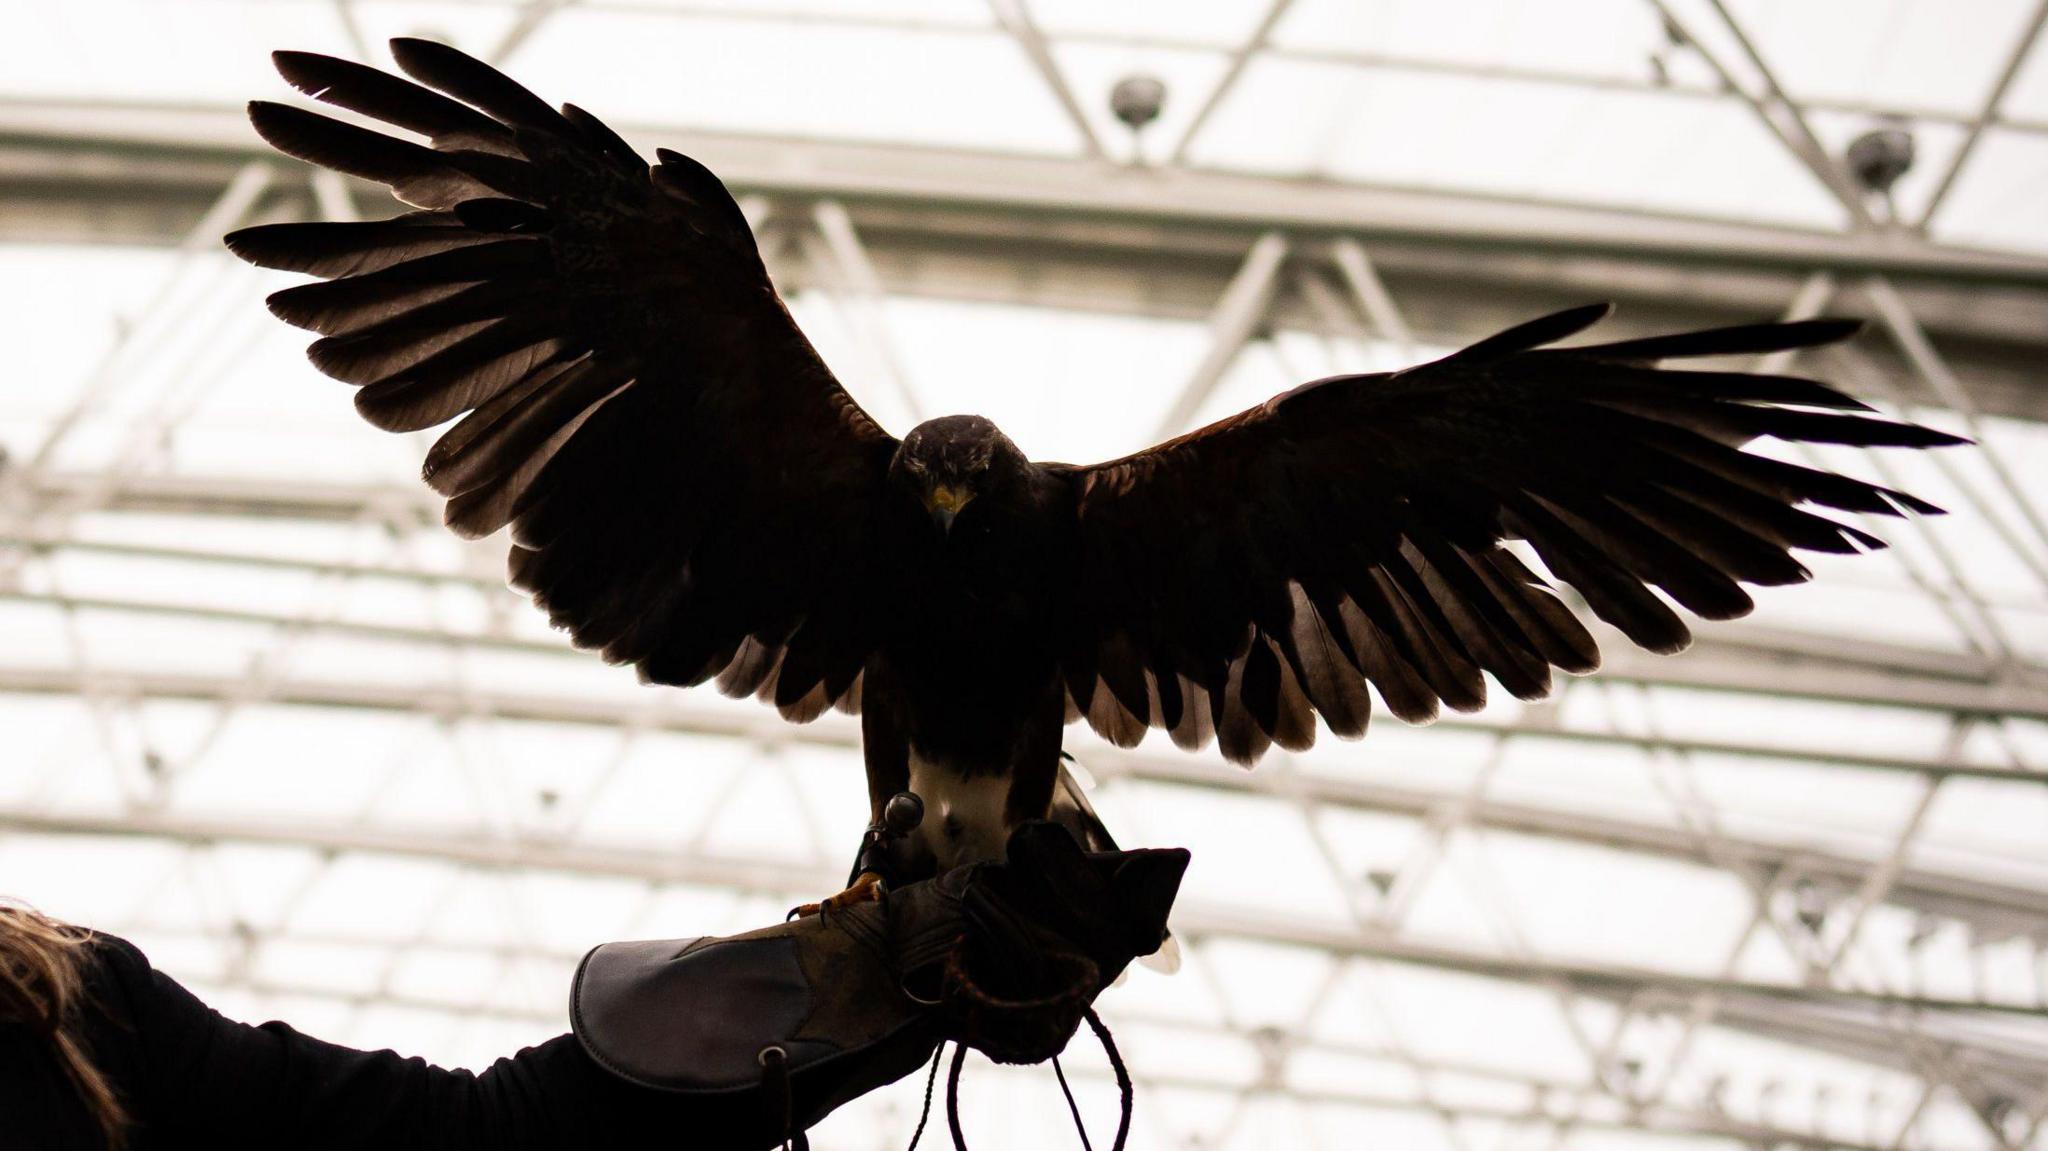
(1047,929)
(775,1028)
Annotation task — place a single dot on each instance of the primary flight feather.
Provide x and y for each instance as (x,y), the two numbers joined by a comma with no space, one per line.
(689,490)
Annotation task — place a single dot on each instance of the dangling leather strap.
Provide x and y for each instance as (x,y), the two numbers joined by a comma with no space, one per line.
(953,1096)
(775,1086)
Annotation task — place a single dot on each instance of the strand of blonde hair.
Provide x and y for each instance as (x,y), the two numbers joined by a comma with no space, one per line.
(42,985)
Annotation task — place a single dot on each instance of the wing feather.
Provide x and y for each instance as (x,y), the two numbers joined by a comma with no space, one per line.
(1328,674)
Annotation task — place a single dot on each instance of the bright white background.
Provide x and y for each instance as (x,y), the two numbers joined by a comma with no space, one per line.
(423,875)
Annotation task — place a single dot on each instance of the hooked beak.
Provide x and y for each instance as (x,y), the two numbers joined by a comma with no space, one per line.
(944,502)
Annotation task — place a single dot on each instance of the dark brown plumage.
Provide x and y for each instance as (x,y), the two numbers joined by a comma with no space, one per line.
(689,490)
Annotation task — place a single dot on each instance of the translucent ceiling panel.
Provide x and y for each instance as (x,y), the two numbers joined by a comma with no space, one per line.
(1989,827)
(214,51)
(1285,359)
(338,771)
(1845,603)
(477,28)
(1602,906)
(1610,39)
(1484,1024)
(2028,96)
(1240,842)
(1619,781)
(958,87)
(1997,201)
(1223,23)
(1063,385)
(1906,54)
(139,579)
(61,334)
(1651,150)
(935,12)
(850,336)
(1827,807)
(287,542)
(1986,525)
(1759,1080)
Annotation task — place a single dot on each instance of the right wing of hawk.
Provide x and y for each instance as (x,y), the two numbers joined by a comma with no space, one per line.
(1246,576)
(688,488)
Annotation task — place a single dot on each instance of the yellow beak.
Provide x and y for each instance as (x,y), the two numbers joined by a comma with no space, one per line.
(944,502)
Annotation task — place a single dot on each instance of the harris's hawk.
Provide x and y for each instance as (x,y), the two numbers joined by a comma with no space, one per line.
(689,490)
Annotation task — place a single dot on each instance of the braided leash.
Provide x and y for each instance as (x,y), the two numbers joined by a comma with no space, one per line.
(929,1081)
(1123,1078)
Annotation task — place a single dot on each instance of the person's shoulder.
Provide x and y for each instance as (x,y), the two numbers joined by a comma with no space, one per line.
(118,956)
(120,974)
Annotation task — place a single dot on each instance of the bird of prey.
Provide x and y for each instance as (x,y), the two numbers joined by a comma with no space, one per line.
(690,491)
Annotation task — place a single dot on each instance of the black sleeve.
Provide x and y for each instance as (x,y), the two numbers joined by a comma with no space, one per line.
(192,1077)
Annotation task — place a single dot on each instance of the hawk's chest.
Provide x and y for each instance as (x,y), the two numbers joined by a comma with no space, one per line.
(995,579)
(963,812)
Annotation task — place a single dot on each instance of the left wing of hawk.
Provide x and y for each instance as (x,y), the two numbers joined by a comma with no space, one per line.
(688,488)
(1351,531)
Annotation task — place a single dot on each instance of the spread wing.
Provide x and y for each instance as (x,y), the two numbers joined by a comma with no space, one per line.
(688,488)
(1351,530)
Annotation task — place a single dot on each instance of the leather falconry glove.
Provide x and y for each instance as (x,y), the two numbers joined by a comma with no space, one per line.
(775,1028)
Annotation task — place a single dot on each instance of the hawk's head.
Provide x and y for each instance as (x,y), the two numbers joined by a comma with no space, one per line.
(951,460)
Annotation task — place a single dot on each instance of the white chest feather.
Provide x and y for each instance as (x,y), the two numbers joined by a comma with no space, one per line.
(963,818)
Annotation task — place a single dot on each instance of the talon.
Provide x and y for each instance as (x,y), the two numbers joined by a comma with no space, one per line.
(866,888)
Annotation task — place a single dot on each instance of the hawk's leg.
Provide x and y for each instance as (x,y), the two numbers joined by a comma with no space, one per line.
(900,816)
(865,888)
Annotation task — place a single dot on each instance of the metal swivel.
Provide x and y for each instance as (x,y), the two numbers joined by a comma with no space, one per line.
(902,814)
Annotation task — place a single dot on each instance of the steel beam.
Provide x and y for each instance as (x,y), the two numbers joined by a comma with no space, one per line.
(1371,293)
(1993,907)
(1988,114)
(1236,319)
(1240,58)
(1192,919)
(51,139)
(1364,60)
(529,18)
(1987,1048)
(1360,59)
(868,299)
(1711,666)
(1778,112)
(1906,329)
(1015,18)
(233,204)
(413,505)
(953,233)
